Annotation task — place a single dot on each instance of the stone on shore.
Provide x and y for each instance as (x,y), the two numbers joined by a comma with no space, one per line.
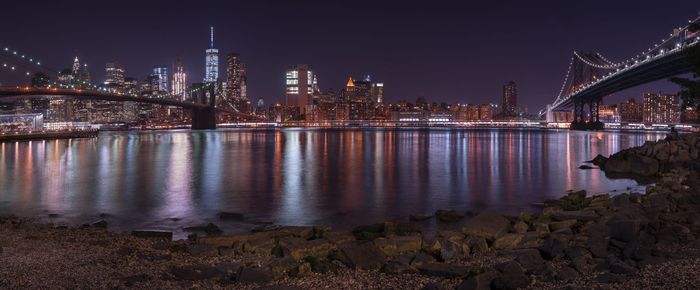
(487,225)
(361,255)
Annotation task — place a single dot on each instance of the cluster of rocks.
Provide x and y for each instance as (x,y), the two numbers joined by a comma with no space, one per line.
(654,157)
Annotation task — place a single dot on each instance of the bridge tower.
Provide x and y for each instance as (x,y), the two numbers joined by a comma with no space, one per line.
(205,118)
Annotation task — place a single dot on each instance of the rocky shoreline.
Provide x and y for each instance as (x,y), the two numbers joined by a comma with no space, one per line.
(625,241)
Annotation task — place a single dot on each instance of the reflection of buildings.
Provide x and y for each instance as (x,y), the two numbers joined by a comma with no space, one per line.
(661,108)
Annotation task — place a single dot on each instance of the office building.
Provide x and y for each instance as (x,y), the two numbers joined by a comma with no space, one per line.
(211,61)
(661,108)
(114,75)
(510,99)
(631,111)
(299,82)
(161,72)
(179,87)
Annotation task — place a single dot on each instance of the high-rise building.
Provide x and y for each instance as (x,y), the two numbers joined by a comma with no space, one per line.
(235,94)
(65,77)
(114,75)
(662,108)
(161,72)
(631,111)
(377,92)
(211,61)
(179,87)
(510,99)
(299,87)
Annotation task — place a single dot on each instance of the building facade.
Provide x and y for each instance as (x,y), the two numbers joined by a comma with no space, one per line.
(211,61)
(235,94)
(631,111)
(179,87)
(510,99)
(662,108)
(299,82)
(114,75)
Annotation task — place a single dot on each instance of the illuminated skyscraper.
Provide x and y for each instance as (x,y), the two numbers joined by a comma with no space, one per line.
(76,67)
(299,82)
(235,92)
(161,72)
(377,92)
(179,82)
(211,74)
(510,99)
(114,75)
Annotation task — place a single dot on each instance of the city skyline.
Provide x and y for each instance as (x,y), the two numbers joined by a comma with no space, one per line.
(440,81)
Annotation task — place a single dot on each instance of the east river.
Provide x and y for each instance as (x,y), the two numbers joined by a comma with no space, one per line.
(172,179)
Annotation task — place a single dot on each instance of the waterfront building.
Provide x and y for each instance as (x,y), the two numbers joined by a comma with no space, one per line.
(661,108)
(487,112)
(609,113)
(631,111)
(211,61)
(510,99)
(179,87)
(377,92)
(235,94)
(299,81)
(114,75)
(161,72)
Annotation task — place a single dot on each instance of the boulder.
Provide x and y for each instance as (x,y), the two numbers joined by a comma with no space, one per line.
(361,255)
(566,274)
(479,282)
(99,224)
(280,266)
(476,244)
(566,224)
(512,276)
(201,250)
(299,248)
(529,259)
(394,245)
(210,229)
(627,162)
(520,227)
(552,247)
(624,229)
(397,266)
(487,225)
(507,241)
(579,215)
(599,161)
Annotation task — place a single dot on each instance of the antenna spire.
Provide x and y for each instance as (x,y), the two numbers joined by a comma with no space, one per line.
(211,38)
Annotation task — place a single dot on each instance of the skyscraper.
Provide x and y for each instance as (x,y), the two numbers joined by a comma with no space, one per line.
(235,93)
(161,72)
(661,108)
(179,82)
(211,74)
(299,87)
(378,92)
(114,75)
(510,99)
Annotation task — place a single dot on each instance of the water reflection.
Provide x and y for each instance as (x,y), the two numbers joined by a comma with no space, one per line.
(295,176)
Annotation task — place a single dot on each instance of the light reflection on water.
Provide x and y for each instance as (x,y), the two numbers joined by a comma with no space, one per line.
(297,176)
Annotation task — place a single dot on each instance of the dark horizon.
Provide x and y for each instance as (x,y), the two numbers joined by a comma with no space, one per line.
(445,51)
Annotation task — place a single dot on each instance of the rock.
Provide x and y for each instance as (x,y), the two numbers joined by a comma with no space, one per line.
(99,224)
(479,282)
(624,230)
(566,274)
(448,216)
(338,237)
(230,216)
(541,229)
(398,267)
(194,272)
(598,246)
(362,255)
(450,250)
(619,267)
(368,232)
(585,167)
(299,248)
(579,215)
(552,248)
(599,161)
(487,225)
(476,244)
(566,224)
(626,162)
(529,259)
(520,227)
(253,275)
(421,258)
(512,276)
(507,241)
(443,270)
(210,229)
(152,234)
(395,245)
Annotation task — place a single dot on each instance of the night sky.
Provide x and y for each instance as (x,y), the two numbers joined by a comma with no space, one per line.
(449,51)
